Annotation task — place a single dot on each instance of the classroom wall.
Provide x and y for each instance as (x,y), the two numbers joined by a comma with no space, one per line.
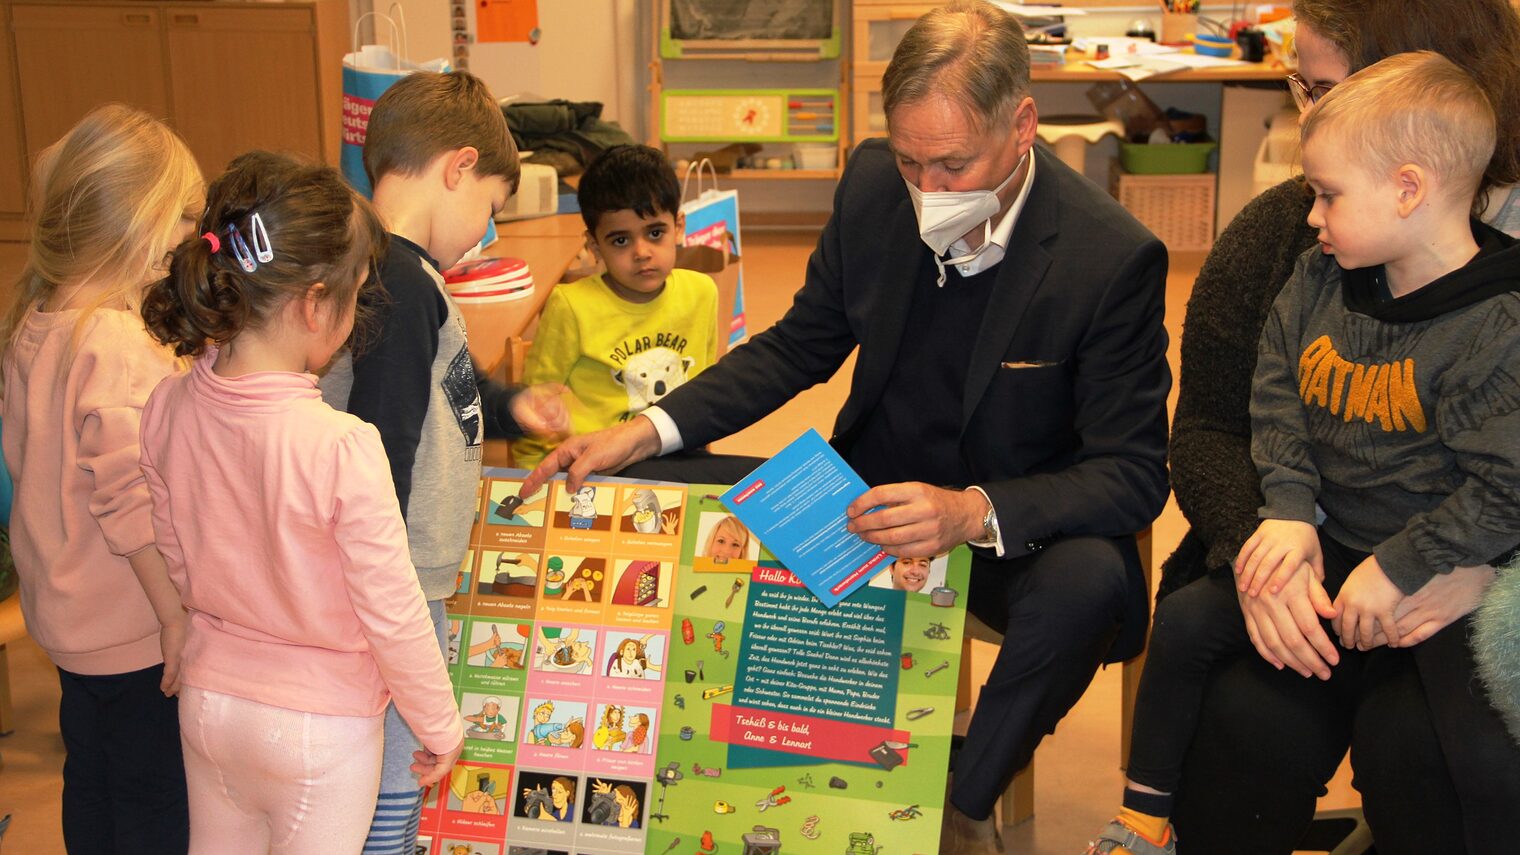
(599,50)
(587,52)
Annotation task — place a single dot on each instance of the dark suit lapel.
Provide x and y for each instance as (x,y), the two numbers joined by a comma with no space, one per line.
(903,258)
(1020,274)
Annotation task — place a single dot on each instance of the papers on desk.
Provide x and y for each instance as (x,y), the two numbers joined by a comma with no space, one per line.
(1026,10)
(1121,46)
(1142,67)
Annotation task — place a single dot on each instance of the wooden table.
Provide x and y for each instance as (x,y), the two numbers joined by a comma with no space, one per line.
(549,245)
(1076,70)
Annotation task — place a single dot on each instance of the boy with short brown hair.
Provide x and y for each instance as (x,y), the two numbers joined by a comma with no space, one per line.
(442,164)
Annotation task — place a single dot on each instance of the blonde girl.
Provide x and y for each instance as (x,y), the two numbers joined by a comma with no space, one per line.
(110,200)
(281,526)
(727,540)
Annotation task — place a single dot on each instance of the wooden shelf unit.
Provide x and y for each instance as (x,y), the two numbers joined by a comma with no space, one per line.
(758,57)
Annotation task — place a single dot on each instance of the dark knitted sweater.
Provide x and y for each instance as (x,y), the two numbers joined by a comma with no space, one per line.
(1216,483)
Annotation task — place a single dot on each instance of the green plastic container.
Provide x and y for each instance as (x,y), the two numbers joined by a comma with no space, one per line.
(1166,158)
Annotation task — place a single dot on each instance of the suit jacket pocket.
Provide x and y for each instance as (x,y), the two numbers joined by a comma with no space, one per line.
(1033,398)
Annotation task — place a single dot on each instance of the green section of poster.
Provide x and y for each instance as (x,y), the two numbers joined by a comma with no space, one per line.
(790,727)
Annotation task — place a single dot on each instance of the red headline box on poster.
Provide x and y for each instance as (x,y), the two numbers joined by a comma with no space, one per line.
(763,575)
(792,733)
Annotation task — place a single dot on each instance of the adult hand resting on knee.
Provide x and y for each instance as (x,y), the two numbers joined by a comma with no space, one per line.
(609,450)
(1445,599)
(1285,625)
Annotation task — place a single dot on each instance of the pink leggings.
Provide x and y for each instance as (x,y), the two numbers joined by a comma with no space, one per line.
(269,779)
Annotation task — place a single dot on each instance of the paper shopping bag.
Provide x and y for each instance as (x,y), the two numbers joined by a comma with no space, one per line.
(367,72)
(712,247)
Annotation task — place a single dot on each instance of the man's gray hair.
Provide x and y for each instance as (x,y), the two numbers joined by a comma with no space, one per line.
(970,50)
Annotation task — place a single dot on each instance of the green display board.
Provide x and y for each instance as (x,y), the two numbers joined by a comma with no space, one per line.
(749,115)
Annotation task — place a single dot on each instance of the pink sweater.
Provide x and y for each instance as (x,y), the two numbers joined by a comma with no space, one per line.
(74,392)
(281,528)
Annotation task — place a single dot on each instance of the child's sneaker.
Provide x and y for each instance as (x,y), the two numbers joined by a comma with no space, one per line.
(1119,839)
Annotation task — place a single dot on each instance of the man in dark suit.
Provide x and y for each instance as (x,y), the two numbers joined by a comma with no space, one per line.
(1010,389)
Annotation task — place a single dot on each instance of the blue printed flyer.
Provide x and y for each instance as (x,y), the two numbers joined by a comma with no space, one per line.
(795,503)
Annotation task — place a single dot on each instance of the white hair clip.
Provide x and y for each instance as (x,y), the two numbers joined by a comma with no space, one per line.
(261,248)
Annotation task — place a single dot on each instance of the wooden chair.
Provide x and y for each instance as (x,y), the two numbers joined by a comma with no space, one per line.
(12,628)
(1017,803)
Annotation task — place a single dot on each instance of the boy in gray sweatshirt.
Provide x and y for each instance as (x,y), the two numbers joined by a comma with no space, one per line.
(1384,403)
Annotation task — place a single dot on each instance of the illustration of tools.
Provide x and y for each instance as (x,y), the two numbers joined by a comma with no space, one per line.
(732,592)
(915,715)
(774,799)
(889,755)
(705,771)
(721,806)
(702,589)
(709,694)
(810,828)
(717,638)
(673,845)
(700,674)
(937,668)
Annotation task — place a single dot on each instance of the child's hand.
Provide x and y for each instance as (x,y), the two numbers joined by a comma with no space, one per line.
(430,768)
(171,640)
(1366,605)
(540,411)
(1275,552)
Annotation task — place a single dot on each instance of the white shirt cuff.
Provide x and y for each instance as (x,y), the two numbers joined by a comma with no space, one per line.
(665,426)
(996,543)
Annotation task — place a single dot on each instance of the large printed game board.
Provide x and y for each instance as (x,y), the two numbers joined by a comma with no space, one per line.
(638,674)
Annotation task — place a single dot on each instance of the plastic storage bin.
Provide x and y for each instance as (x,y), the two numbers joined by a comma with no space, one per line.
(1166,158)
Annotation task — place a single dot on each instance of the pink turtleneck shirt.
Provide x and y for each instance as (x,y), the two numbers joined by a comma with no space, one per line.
(281,528)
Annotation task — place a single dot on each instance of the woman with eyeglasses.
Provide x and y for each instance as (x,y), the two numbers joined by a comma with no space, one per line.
(1268,741)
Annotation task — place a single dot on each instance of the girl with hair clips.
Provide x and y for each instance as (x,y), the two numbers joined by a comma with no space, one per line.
(1268,740)
(306,617)
(110,200)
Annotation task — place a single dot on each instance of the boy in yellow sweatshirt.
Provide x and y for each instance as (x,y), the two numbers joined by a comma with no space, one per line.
(623,339)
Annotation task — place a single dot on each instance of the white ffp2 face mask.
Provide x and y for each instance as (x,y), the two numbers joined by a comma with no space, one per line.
(945,215)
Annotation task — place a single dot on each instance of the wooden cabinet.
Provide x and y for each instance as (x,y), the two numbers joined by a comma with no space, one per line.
(877,28)
(71,58)
(243,79)
(228,76)
(13,162)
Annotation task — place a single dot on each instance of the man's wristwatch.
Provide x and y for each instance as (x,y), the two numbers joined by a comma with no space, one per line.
(990,531)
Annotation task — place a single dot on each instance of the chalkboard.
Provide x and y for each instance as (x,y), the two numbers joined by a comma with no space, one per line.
(797,30)
(705,20)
